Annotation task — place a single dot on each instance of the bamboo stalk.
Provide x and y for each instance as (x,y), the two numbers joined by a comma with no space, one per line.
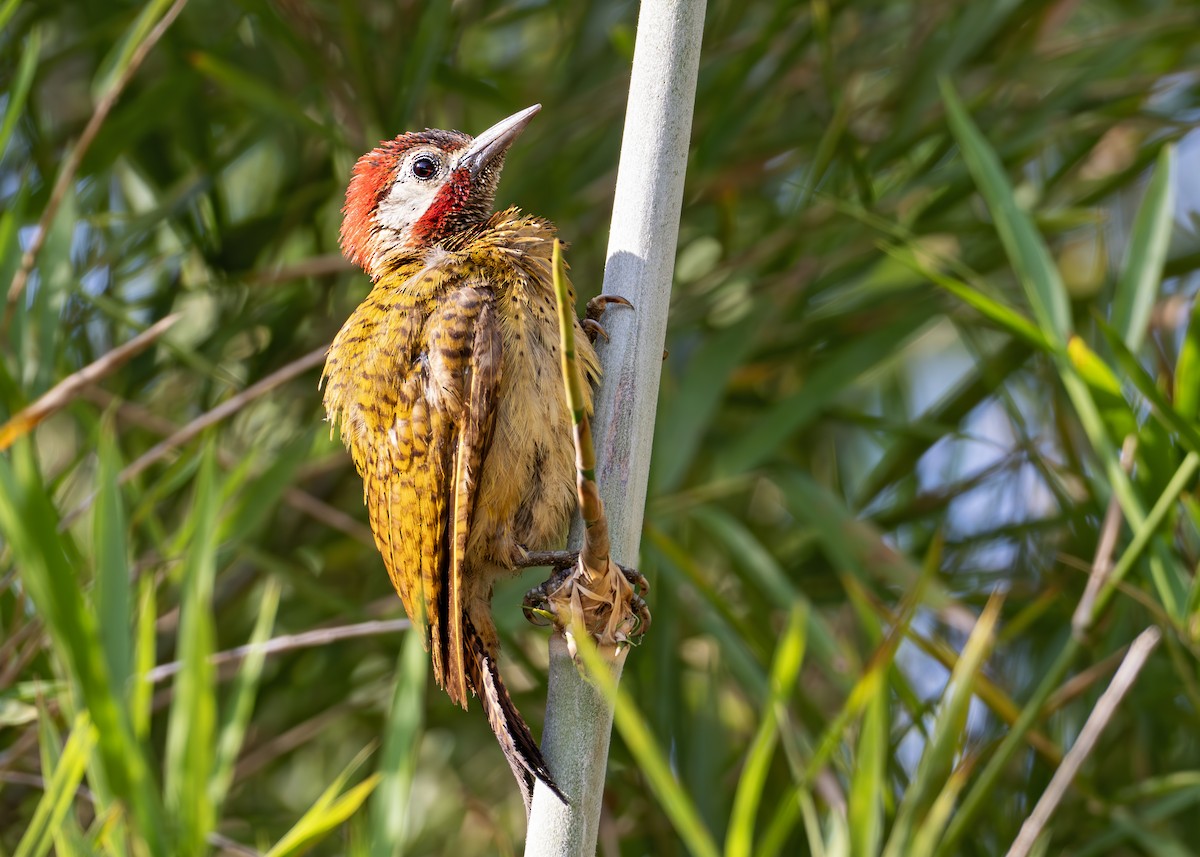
(640,267)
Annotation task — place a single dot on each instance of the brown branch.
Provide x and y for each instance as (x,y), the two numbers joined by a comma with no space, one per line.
(300,500)
(68,388)
(288,642)
(226,409)
(1106,706)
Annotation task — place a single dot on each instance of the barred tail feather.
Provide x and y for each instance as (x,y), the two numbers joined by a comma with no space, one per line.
(510,728)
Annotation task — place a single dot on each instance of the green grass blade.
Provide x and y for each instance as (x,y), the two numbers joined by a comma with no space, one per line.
(241,703)
(1002,316)
(327,812)
(930,832)
(1105,389)
(933,771)
(29,525)
(1141,271)
(1144,532)
(18,89)
(1172,419)
(142,689)
(785,672)
(1187,369)
(983,786)
(1026,250)
(868,784)
(245,87)
(392,824)
(191,725)
(840,369)
(118,59)
(688,411)
(113,590)
(60,791)
(639,738)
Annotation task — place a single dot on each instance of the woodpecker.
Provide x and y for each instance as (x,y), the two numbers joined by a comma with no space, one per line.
(446,385)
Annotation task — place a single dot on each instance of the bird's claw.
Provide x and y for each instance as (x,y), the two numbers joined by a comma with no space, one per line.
(597,305)
(641,586)
(595,310)
(536,605)
(594,330)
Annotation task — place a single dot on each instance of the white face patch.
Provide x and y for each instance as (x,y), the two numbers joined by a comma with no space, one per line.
(411,195)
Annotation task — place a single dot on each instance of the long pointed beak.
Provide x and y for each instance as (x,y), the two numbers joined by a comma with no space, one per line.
(494,142)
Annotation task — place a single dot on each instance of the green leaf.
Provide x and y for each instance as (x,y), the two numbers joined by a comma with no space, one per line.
(676,803)
(29,525)
(329,810)
(191,726)
(393,824)
(785,673)
(839,370)
(142,691)
(60,791)
(113,590)
(1025,248)
(18,88)
(1187,369)
(868,785)
(260,496)
(1141,271)
(118,59)
(934,768)
(688,412)
(241,703)
(244,87)
(1118,417)
(1003,316)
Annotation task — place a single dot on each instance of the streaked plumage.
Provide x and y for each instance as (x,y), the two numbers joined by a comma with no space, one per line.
(446,384)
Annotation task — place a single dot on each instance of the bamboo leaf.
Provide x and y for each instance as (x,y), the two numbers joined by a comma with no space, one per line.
(29,525)
(1141,271)
(675,802)
(113,590)
(933,771)
(18,89)
(869,784)
(1187,369)
(1024,246)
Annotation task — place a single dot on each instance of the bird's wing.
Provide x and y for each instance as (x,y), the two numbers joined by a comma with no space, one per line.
(418,434)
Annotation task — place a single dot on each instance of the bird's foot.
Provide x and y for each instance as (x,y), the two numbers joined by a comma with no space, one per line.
(609,605)
(595,311)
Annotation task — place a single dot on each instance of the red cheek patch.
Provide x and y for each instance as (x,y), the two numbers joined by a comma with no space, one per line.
(450,200)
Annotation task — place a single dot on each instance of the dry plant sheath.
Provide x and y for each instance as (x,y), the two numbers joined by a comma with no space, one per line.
(597,597)
(591,509)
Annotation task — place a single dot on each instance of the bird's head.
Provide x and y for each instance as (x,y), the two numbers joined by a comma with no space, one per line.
(418,189)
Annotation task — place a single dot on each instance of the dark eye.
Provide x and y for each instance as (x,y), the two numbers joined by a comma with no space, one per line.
(424,167)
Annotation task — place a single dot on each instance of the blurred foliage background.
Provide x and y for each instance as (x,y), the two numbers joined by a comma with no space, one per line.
(936,268)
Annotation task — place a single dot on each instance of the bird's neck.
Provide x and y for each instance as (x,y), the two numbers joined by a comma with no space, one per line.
(476,240)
